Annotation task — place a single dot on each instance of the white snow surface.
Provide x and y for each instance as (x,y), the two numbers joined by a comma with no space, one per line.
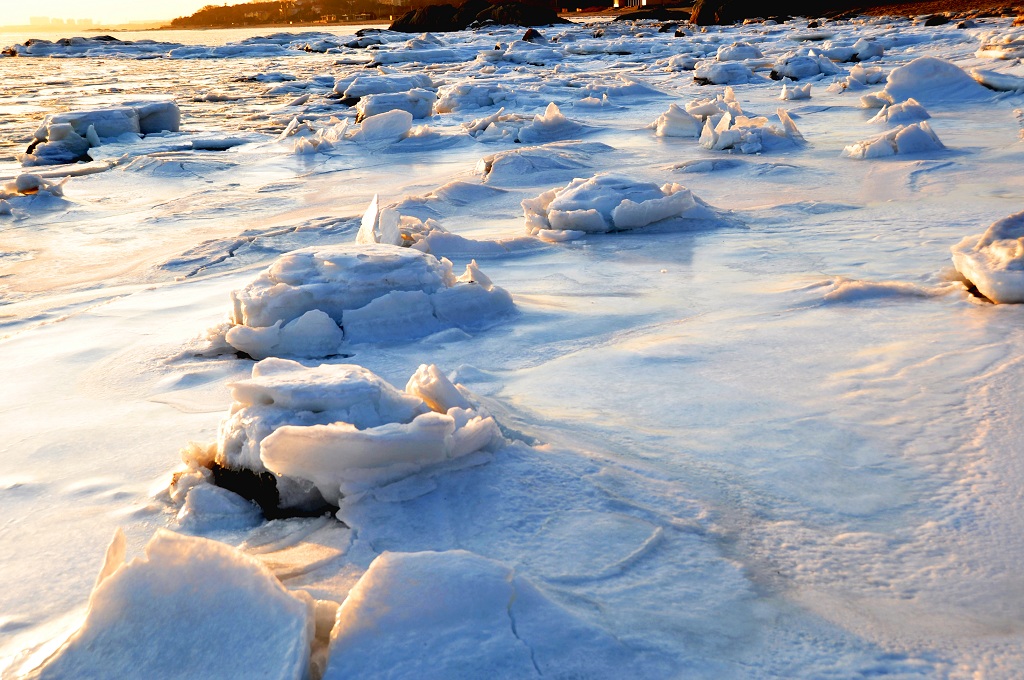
(785,448)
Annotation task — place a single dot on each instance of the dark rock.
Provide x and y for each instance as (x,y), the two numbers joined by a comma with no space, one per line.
(680,33)
(468,11)
(519,14)
(966,24)
(655,14)
(668,28)
(433,18)
(936,20)
(533,35)
(813,24)
(599,33)
(261,488)
(724,12)
(105,38)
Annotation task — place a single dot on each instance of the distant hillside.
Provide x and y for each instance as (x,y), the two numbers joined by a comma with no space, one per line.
(285,11)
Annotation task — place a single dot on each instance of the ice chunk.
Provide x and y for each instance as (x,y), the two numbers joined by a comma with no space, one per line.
(1001,82)
(795,92)
(915,138)
(419,102)
(296,305)
(676,122)
(994,261)
(1001,45)
(209,507)
(524,165)
(470,95)
(722,73)
(342,429)
(738,51)
(364,84)
(476,617)
(514,127)
(749,135)
(605,203)
(803,65)
(931,80)
(190,608)
(909,111)
(384,127)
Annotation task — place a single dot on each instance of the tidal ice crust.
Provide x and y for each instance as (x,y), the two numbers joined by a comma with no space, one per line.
(994,261)
(606,203)
(310,302)
(190,608)
(335,431)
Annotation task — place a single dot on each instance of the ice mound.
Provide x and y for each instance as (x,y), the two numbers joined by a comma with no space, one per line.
(722,73)
(469,95)
(859,78)
(862,50)
(606,203)
(738,51)
(336,430)
(514,127)
(915,138)
(390,126)
(931,80)
(190,608)
(419,102)
(67,137)
(677,122)
(994,261)
(802,65)
(794,92)
(749,135)
(909,111)
(456,614)
(374,293)
(524,165)
(360,85)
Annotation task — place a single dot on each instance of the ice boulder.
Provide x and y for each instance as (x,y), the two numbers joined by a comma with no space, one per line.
(468,95)
(915,138)
(360,85)
(523,165)
(338,430)
(309,301)
(994,261)
(738,51)
(389,126)
(67,137)
(722,73)
(189,608)
(749,135)
(909,111)
(931,80)
(419,102)
(606,203)
(454,614)
(1002,45)
(803,65)
(1000,82)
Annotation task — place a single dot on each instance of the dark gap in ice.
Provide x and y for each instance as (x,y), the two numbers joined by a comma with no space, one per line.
(261,489)
(973,291)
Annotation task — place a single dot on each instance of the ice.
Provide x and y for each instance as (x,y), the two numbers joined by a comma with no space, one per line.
(605,203)
(67,137)
(1001,82)
(749,135)
(211,508)
(372,292)
(419,102)
(361,85)
(676,122)
(934,81)
(915,138)
(795,92)
(542,127)
(738,51)
(722,73)
(342,430)
(389,126)
(994,261)
(478,617)
(469,95)
(803,65)
(1001,45)
(528,164)
(909,111)
(190,607)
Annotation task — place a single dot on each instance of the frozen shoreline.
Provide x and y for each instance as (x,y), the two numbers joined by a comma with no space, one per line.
(757,429)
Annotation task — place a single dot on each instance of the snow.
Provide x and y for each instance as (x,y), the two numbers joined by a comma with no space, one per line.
(476,616)
(994,261)
(722,73)
(933,81)
(190,607)
(419,102)
(909,111)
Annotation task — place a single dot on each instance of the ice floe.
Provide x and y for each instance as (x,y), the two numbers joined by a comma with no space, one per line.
(309,301)
(994,261)
(909,111)
(749,135)
(606,203)
(477,617)
(915,138)
(514,127)
(931,80)
(723,73)
(419,102)
(189,608)
(803,65)
(677,122)
(795,92)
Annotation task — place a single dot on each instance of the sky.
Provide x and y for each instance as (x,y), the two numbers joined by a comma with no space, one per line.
(14,13)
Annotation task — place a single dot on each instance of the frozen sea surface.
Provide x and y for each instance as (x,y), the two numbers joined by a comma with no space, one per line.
(778,441)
